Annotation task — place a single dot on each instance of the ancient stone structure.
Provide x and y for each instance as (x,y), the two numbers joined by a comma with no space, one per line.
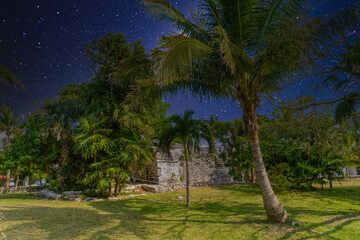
(350,171)
(204,169)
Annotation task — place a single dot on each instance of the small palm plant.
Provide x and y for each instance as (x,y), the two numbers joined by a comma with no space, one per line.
(189,131)
(91,138)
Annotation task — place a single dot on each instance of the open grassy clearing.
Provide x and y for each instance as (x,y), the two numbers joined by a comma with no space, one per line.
(223,212)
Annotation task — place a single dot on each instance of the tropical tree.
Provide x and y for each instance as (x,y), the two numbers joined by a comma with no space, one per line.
(92,138)
(237,49)
(189,131)
(8,124)
(62,114)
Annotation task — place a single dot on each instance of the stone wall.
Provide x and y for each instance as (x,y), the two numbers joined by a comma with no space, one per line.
(203,167)
(349,171)
(21,189)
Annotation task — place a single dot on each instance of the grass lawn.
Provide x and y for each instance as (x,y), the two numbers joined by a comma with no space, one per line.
(223,212)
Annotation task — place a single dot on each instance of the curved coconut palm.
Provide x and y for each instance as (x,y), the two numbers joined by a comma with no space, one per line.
(237,49)
(8,124)
(189,131)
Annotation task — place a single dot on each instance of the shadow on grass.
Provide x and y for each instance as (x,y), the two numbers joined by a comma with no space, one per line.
(131,217)
(203,211)
(340,222)
(167,217)
(14,196)
(349,194)
(175,216)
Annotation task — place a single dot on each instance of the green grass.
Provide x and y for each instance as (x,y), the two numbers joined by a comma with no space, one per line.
(224,212)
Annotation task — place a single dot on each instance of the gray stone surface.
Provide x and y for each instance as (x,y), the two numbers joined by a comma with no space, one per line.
(170,170)
(71,196)
(46,194)
(155,188)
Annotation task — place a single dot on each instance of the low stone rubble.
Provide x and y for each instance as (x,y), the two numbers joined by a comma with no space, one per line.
(71,196)
(48,195)
(129,191)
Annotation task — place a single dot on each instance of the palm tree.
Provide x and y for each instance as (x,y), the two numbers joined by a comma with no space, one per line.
(91,137)
(189,131)
(62,113)
(236,49)
(8,124)
(7,77)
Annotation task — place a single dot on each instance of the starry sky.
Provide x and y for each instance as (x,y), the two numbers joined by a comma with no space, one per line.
(42,42)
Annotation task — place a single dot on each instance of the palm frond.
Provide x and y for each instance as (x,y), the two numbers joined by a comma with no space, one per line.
(165,11)
(345,108)
(176,51)
(7,77)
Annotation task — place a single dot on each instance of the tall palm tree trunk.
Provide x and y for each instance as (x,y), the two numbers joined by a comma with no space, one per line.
(274,209)
(6,187)
(17,176)
(187,182)
(186,151)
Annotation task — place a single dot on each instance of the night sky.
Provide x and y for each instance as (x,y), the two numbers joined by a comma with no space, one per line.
(42,42)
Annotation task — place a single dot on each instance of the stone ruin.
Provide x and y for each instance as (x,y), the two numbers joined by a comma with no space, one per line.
(204,169)
(165,173)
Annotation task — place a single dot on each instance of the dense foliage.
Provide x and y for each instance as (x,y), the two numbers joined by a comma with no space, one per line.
(90,136)
(300,147)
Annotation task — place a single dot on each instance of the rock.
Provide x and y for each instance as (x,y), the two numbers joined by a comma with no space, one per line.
(179,197)
(178,186)
(155,188)
(68,193)
(46,194)
(293,223)
(71,196)
(148,188)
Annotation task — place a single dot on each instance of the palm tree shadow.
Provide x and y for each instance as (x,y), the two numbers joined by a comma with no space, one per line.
(311,229)
(139,212)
